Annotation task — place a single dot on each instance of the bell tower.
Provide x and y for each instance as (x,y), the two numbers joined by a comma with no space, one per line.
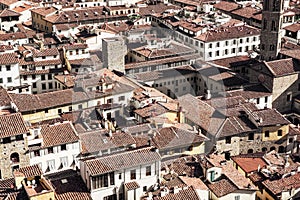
(271,30)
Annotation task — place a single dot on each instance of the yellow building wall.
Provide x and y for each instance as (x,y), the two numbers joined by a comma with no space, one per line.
(44,196)
(52,113)
(273,136)
(196,150)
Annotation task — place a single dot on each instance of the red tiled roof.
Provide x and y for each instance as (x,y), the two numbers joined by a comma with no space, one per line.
(122,160)
(58,134)
(226,6)
(174,137)
(75,46)
(283,184)
(12,124)
(249,164)
(189,193)
(222,187)
(293,27)
(30,171)
(283,67)
(5,100)
(131,185)
(12,36)
(9,13)
(225,33)
(8,58)
(69,185)
(46,52)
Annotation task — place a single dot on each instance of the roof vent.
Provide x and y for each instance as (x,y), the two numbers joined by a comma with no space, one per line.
(63,181)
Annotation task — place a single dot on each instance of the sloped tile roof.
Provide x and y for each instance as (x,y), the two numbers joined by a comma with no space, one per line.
(12,124)
(131,185)
(30,171)
(122,160)
(58,134)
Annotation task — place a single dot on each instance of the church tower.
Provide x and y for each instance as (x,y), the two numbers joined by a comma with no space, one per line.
(271,30)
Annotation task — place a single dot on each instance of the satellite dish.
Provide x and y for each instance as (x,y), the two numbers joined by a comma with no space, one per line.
(261,78)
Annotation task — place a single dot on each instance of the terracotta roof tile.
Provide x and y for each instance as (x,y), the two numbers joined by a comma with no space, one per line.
(249,164)
(188,193)
(58,134)
(222,187)
(226,6)
(225,33)
(283,67)
(11,125)
(69,185)
(8,58)
(75,46)
(122,160)
(12,36)
(30,171)
(293,27)
(131,185)
(283,184)
(171,137)
(5,99)
(9,13)
(270,117)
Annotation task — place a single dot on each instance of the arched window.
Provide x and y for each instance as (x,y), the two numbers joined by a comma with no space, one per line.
(14,157)
(250,150)
(281,149)
(272,148)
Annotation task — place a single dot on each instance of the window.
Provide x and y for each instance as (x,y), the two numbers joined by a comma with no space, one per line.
(279,132)
(289,97)
(240,49)
(49,76)
(19,137)
(9,79)
(209,54)
(64,162)
(36,153)
(6,140)
(291,140)
(43,57)
(33,77)
(59,111)
(234,42)
(148,171)
(266,99)
(50,149)
(51,164)
(121,98)
(112,178)
(50,85)
(0,68)
(210,45)
(43,77)
(25,78)
(237,198)
(79,107)
(267,133)
(145,189)
(1,80)
(120,176)
(251,136)
(257,100)
(218,44)
(247,39)
(8,68)
(63,147)
(217,53)
(43,86)
(241,40)
(228,140)
(132,174)
(109,100)
(70,108)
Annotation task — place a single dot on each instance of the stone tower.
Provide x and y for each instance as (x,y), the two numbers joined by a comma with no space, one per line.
(113,53)
(271,30)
